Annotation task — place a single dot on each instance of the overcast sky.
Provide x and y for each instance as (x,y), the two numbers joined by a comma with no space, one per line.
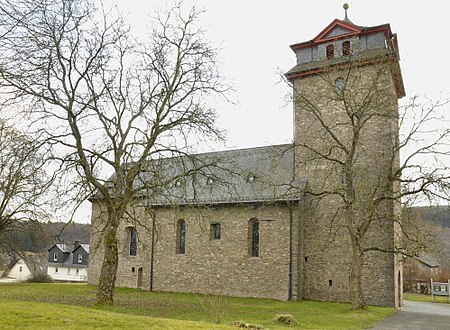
(255,38)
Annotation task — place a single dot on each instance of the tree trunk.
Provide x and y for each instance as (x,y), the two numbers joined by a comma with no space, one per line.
(355,279)
(107,280)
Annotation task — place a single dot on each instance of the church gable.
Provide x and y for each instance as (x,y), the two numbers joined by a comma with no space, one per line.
(337,29)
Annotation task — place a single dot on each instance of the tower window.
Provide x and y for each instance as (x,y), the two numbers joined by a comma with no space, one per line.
(80,258)
(181,237)
(346,48)
(330,51)
(133,241)
(253,237)
(215,231)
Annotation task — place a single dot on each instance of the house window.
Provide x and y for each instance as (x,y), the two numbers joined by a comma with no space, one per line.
(20,269)
(68,271)
(56,269)
(55,256)
(214,231)
(253,237)
(181,236)
(330,51)
(80,258)
(133,241)
(77,271)
(346,48)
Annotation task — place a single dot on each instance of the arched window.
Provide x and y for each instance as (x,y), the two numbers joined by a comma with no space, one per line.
(346,48)
(181,236)
(330,51)
(133,241)
(253,237)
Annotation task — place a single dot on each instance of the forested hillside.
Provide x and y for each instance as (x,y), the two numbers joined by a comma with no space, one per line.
(38,237)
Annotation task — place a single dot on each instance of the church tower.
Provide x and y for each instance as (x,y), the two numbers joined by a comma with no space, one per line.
(346,86)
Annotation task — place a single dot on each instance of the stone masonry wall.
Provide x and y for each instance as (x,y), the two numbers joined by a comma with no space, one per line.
(219,267)
(325,249)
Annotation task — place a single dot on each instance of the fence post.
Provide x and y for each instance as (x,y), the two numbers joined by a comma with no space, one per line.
(432,290)
(448,290)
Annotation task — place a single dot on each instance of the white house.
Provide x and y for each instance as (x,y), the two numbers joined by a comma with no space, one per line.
(25,267)
(68,262)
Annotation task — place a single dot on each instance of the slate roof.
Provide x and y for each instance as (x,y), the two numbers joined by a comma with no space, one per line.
(36,263)
(84,246)
(66,248)
(429,261)
(262,174)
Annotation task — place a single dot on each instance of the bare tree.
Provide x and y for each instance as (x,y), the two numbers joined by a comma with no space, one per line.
(23,183)
(355,152)
(107,100)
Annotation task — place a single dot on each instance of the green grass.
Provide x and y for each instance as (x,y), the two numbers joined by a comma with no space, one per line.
(37,315)
(138,308)
(424,298)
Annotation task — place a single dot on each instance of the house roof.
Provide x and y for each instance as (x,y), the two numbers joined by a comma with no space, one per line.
(66,248)
(345,29)
(84,246)
(263,174)
(428,260)
(37,264)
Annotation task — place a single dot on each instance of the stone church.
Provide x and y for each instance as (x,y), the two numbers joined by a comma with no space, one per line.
(261,222)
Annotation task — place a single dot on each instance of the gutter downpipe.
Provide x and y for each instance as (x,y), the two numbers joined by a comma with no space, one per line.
(290,253)
(152,255)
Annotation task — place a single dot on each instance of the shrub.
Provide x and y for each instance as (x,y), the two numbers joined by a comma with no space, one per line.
(285,319)
(40,278)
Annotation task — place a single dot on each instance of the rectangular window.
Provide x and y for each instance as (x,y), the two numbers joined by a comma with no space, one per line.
(77,271)
(181,237)
(55,256)
(346,48)
(253,237)
(68,271)
(80,258)
(330,51)
(214,231)
(56,269)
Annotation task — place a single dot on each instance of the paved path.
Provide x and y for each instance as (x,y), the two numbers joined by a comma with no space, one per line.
(418,316)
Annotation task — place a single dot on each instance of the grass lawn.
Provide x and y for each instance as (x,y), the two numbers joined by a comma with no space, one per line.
(17,314)
(135,309)
(424,297)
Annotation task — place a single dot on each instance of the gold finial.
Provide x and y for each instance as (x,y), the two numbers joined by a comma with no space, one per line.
(345,6)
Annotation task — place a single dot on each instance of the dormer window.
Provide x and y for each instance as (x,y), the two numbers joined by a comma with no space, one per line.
(330,51)
(346,48)
(55,256)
